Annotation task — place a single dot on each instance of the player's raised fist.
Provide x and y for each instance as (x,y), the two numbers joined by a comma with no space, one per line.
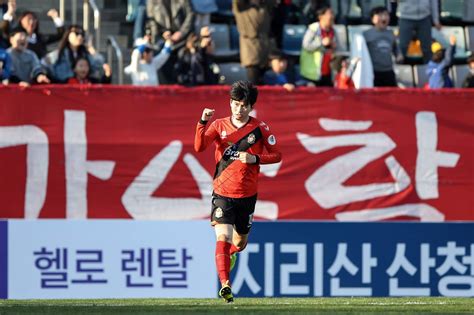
(247,158)
(207,114)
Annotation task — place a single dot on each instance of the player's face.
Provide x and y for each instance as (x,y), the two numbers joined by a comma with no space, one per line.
(240,110)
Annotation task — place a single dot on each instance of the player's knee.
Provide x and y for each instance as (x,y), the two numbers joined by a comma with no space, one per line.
(223,238)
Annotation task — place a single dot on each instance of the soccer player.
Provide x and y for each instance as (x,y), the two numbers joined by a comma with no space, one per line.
(242,144)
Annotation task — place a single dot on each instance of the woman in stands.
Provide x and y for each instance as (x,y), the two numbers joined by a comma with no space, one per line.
(38,42)
(72,47)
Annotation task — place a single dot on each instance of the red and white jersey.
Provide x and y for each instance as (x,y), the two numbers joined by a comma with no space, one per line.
(233,178)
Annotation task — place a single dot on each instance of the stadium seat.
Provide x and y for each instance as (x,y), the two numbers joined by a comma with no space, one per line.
(221,36)
(354,10)
(459,73)
(231,72)
(443,35)
(224,7)
(234,37)
(341,35)
(421,78)
(404,74)
(469,32)
(451,11)
(293,39)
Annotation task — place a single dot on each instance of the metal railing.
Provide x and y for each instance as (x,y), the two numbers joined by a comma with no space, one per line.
(87,5)
(112,46)
(86,24)
(62,10)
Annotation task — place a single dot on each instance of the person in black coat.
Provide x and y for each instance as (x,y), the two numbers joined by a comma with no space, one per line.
(38,42)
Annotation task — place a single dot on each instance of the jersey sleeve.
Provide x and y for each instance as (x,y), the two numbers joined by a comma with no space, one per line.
(272,153)
(204,136)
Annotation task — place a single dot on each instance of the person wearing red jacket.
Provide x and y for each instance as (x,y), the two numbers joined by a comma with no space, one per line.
(242,144)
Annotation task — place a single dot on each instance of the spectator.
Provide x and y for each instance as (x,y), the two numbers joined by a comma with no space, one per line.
(344,69)
(284,12)
(38,42)
(194,65)
(7,14)
(438,67)
(417,16)
(319,44)
(253,23)
(381,44)
(82,69)
(366,7)
(171,20)
(26,67)
(5,65)
(469,80)
(144,66)
(137,14)
(72,46)
(277,74)
(203,10)
(310,10)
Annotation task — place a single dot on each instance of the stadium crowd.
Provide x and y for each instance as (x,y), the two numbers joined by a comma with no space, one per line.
(174,44)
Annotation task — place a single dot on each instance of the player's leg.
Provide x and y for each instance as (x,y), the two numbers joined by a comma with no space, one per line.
(222,218)
(243,224)
(223,244)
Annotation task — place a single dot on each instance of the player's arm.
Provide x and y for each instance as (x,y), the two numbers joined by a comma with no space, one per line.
(204,136)
(272,154)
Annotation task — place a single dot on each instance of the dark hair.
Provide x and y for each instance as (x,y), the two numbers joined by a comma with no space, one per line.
(336,62)
(79,59)
(15,30)
(322,10)
(438,56)
(244,91)
(471,58)
(36,30)
(377,10)
(64,43)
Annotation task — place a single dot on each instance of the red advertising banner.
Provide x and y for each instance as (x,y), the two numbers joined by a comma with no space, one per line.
(124,152)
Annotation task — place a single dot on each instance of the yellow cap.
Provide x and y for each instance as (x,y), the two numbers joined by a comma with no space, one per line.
(436,47)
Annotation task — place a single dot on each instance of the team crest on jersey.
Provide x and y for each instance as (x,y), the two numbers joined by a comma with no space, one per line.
(223,134)
(264,125)
(272,140)
(251,138)
(218,213)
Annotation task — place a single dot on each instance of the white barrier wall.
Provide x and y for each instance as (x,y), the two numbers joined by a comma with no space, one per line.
(110,259)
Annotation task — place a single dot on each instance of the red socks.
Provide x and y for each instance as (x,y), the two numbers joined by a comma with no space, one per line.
(223,260)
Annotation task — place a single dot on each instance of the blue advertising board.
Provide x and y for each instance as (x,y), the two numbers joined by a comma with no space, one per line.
(357,259)
(3,259)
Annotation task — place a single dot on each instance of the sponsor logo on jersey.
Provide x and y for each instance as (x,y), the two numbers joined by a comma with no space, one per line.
(232,152)
(265,126)
(272,140)
(218,213)
(251,138)
(223,134)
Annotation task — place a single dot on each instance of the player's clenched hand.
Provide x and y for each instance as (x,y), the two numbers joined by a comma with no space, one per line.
(207,114)
(247,158)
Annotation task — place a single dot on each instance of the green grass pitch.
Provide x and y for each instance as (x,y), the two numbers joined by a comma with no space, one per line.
(247,306)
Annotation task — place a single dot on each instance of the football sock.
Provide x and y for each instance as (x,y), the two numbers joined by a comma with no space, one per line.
(223,260)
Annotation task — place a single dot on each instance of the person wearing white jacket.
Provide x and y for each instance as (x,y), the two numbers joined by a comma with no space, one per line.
(144,66)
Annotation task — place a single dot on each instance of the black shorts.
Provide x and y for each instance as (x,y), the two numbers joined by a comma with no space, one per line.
(234,211)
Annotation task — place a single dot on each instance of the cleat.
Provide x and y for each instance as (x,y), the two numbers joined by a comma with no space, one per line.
(226,293)
(233,259)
